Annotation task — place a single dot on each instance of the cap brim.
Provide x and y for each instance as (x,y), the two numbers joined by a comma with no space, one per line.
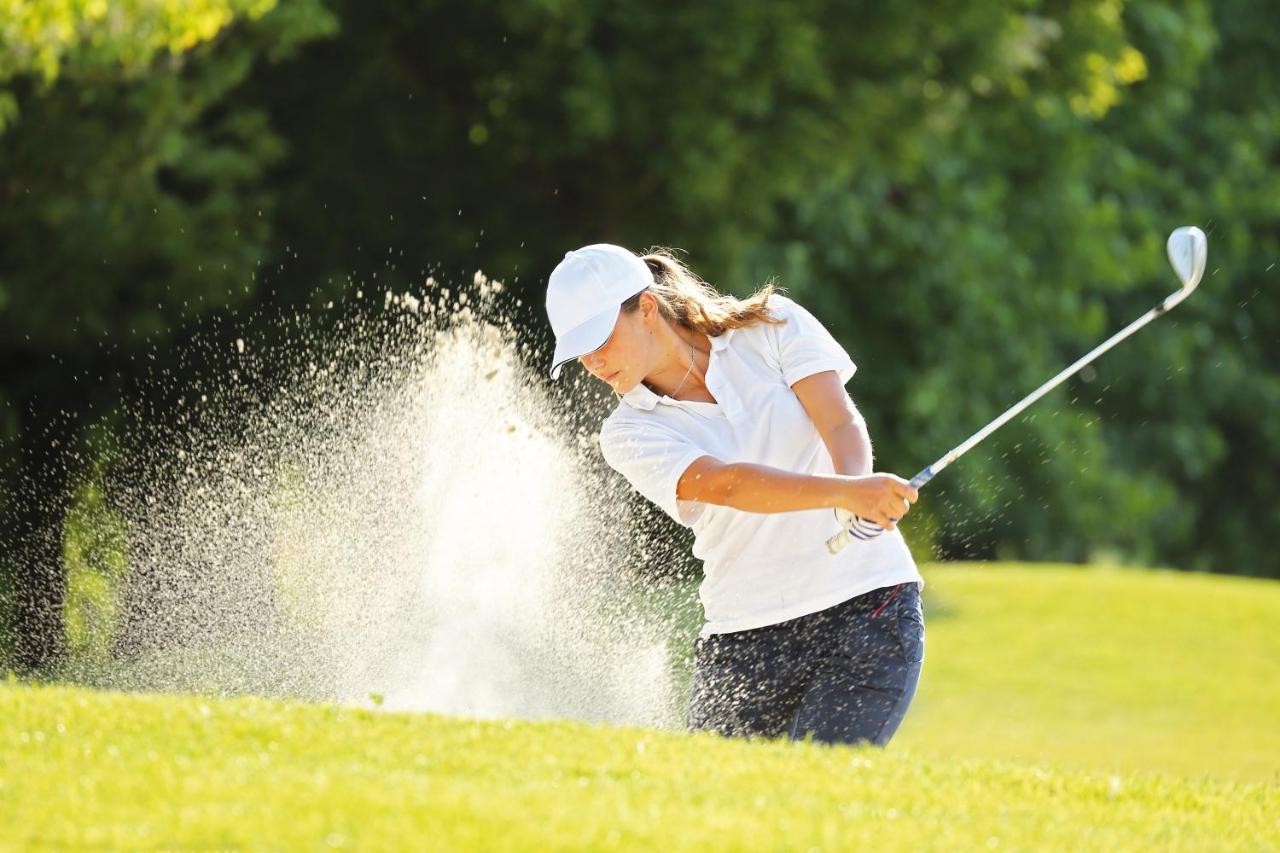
(585,338)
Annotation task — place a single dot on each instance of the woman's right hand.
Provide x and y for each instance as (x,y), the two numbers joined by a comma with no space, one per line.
(880,498)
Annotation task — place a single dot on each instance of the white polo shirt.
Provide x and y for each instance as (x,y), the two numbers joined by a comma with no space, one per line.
(760,568)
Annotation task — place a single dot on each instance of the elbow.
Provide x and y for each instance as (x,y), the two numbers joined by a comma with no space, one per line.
(725,487)
(735,486)
(709,481)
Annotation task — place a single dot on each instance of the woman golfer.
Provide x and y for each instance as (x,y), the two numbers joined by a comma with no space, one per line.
(733,418)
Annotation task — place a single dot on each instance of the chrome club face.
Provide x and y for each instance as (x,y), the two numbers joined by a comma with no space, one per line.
(1188,250)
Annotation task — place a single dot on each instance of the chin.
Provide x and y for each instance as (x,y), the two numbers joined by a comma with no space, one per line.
(622,386)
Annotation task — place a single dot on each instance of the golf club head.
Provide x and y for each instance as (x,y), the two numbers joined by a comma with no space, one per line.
(1188,250)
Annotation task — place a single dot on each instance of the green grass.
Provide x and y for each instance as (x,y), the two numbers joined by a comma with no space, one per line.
(1101,669)
(1061,708)
(1094,668)
(102,770)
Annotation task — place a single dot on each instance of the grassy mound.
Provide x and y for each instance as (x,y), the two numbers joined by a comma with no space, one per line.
(84,769)
(1101,669)
(1060,708)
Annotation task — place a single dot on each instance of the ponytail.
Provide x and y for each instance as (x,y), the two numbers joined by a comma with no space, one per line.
(687,300)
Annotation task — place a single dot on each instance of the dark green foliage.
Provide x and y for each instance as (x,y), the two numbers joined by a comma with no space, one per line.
(133,197)
(971,195)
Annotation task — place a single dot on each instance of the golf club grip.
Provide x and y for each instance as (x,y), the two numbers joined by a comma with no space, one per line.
(863,529)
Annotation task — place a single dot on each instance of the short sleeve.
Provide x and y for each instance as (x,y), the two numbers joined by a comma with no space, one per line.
(805,347)
(652,458)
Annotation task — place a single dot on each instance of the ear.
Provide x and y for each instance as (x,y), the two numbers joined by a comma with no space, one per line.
(648,306)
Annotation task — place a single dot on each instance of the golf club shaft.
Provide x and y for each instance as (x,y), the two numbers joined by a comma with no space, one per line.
(928,473)
(844,537)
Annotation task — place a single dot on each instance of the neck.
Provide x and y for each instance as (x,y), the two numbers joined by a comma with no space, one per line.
(684,368)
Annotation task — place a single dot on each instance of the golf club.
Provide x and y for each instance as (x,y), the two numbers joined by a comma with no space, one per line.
(1188,250)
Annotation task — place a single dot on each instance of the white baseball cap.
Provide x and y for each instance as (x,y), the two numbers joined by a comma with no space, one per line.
(585,295)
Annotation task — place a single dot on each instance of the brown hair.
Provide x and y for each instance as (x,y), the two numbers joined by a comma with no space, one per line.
(687,300)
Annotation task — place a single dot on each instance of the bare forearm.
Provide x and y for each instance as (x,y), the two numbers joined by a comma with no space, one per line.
(761,488)
(748,487)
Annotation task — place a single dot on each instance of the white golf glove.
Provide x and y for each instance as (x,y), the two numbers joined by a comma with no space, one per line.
(858,527)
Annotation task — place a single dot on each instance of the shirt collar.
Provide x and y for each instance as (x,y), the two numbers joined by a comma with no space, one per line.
(640,397)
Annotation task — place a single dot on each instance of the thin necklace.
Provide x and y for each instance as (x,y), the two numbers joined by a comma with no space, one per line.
(686,373)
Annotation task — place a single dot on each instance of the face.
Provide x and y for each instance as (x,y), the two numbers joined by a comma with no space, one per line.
(623,360)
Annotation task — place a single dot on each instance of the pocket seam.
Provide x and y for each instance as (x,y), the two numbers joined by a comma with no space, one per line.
(902,617)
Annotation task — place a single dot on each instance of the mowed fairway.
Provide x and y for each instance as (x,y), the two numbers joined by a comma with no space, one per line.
(79,769)
(1101,669)
(1062,708)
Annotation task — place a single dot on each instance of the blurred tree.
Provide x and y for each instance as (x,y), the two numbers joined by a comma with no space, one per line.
(1200,407)
(985,262)
(132,197)
(972,197)
(1030,228)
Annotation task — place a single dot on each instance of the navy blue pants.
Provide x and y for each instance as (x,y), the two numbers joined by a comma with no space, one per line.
(846,674)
